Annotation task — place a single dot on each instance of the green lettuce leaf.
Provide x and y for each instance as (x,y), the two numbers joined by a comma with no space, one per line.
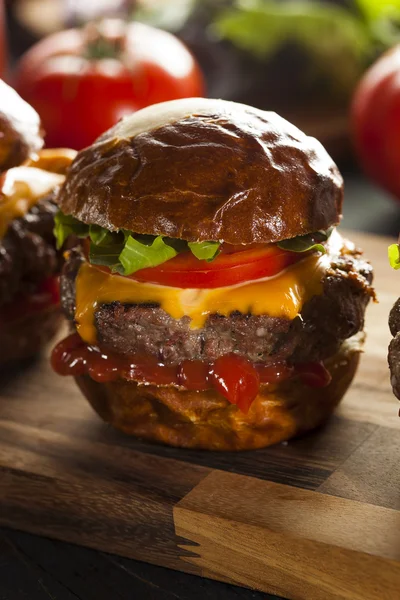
(125,252)
(204,250)
(66,225)
(136,256)
(305,243)
(102,237)
(338,41)
(394,256)
(106,256)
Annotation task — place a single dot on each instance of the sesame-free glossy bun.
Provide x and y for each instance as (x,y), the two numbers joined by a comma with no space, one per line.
(206,420)
(20,129)
(201,169)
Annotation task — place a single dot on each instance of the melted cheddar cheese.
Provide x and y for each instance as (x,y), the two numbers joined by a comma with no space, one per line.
(281,296)
(22,187)
(55,160)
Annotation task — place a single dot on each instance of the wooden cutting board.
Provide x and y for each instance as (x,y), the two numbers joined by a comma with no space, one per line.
(315,519)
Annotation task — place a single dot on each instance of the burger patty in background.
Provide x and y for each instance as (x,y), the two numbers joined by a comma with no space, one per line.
(27,251)
(326,321)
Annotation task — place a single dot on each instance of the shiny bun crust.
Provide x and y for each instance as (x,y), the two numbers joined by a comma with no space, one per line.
(20,128)
(201,169)
(27,336)
(208,421)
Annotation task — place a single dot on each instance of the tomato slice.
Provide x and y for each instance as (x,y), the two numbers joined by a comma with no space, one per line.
(229,268)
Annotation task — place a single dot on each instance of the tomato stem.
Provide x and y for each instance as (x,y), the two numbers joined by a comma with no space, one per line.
(103,42)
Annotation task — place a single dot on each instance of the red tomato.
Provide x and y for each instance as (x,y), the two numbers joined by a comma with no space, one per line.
(186,271)
(376,121)
(82,82)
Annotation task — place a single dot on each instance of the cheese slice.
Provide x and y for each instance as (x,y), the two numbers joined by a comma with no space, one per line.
(281,296)
(22,187)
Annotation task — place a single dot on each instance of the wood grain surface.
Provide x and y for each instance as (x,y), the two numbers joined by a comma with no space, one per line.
(318,517)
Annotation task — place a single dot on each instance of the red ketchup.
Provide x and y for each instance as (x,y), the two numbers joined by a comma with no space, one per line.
(234,377)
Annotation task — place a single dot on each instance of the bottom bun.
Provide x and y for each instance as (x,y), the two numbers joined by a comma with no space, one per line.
(208,421)
(25,337)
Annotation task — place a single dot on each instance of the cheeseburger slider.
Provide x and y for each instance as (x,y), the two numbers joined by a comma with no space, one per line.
(394,326)
(212,302)
(29,262)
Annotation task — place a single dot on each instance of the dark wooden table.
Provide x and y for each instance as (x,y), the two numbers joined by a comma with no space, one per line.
(35,568)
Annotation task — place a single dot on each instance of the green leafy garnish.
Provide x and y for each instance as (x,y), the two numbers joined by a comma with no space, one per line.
(305,243)
(102,237)
(204,250)
(394,256)
(136,256)
(126,252)
(65,225)
(340,41)
(107,256)
(336,40)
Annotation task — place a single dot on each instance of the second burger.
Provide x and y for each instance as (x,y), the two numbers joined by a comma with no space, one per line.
(29,262)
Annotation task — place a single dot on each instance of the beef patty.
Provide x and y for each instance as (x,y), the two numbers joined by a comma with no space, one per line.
(325,322)
(27,251)
(394,348)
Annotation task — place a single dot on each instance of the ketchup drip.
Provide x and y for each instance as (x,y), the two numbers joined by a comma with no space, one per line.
(234,377)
